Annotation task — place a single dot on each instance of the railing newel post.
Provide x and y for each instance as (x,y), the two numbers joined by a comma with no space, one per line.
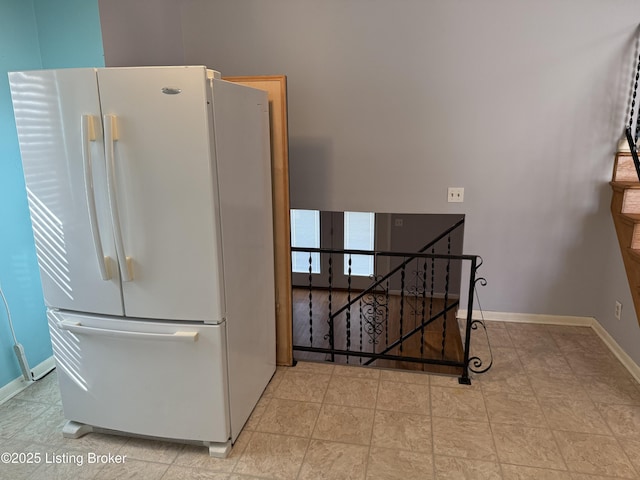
(464,379)
(446,295)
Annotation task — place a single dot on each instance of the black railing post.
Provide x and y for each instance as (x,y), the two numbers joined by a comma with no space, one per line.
(424,306)
(634,151)
(310,299)
(386,317)
(634,93)
(330,320)
(635,89)
(402,274)
(433,282)
(361,338)
(349,308)
(464,378)
(446,294)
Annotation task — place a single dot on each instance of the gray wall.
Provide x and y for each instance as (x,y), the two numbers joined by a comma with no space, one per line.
(141,32)
(391,101)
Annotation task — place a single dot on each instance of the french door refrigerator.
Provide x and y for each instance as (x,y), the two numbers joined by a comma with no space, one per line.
(149,191)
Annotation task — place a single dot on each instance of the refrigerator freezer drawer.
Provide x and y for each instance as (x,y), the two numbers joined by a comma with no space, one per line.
(148,378)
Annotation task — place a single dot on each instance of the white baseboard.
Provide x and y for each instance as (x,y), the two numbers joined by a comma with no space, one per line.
(620,354)
(13,388)
(17,385)
(528,318)
(44,367)
(608,340)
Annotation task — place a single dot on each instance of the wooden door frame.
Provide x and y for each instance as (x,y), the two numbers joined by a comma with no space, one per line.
(276,88)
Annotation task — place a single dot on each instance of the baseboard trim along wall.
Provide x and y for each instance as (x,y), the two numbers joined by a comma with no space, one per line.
(14,387)
(608,340)
(44,367)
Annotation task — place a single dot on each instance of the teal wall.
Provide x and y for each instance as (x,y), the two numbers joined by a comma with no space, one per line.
(18,269)
(34,34)
(69,33)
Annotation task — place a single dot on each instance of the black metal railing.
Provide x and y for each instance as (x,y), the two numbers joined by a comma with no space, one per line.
(406,314)
(630,132)
(431,245)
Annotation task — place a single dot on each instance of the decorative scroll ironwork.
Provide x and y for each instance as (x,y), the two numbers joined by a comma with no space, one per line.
(476,365)
(374,309)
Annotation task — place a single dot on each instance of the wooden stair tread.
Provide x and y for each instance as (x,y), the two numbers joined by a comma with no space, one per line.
(631,219)
(625,209)
(624,169)
(622,186)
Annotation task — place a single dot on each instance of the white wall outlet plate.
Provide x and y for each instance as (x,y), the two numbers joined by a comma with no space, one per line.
(455,194)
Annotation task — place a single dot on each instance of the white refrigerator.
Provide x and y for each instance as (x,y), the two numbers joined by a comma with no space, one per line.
(149,191)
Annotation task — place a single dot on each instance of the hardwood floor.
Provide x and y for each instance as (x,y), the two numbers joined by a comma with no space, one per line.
(365,332)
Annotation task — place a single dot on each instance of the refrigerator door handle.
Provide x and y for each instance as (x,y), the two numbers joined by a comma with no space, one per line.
(89,135)
(110,137)
(77,327)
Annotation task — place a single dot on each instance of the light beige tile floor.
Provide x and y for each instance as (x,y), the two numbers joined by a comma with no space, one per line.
(555,405)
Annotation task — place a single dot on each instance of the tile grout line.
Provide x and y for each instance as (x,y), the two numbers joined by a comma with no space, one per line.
(555,432)
(250,433)
(537,397)
(575,374)
(373,426)
(433,440)
(525,372)
(235,465)
(315,423)
(493,440)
